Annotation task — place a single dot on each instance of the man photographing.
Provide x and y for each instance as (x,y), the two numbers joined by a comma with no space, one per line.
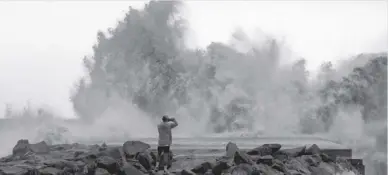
(165,140)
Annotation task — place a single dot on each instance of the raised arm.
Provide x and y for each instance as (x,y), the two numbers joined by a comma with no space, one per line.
(174,123)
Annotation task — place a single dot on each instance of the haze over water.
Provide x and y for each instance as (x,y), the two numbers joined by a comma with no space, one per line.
(45,43)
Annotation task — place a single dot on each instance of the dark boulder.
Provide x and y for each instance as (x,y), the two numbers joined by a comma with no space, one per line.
(144,159)
(278,165)
(129,169)
(280,155)
(130,148)
(113,152)
(313,149)
(326,158)
(202,168)
(231,149)
(220,166)
(186,172)
(12,170)
(297,165)
(100,171)
(266,149)
(242,169)
(294,152)
(21,148)
(313,160)
(49,171)
(40,148)
(62,164)
(266,160)
(109,164)
(241,157)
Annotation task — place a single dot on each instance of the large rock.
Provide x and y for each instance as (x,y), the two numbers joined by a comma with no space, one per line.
(266,149)
(297,165)
(202,168)
(100,171)
(109,164)
(241,157)
(231,149)
(242,169)
(294,152)
(130,148)
(12,170)
(266,160)
(129,169)
(111,152)
(313,149)
(62,164)
(40,148)
(21,148)
(49,171)
(145,159)
(186,172)
(220,167)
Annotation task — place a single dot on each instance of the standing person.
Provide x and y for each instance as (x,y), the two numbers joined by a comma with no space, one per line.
(165,140)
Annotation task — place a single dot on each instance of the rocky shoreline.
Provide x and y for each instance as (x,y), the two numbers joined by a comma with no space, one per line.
(137,158)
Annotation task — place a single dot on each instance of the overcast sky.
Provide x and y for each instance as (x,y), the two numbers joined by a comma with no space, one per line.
(42,43)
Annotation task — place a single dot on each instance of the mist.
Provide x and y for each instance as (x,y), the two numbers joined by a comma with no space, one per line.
(251,84)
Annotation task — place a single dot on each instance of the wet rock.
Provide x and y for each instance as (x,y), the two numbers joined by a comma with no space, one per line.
(319,171)
(242,169)
(60,164)
(256,172)
(81,146)
(100,171)
(241,157)
(267,160)
(49,171)
(313,149)
(231,149)
(202,168)
(103,147)
(40,148)
(313,160)
(12,170)
(325,167)
(144,159)
(295,152)
(294,172)
(280,155)
(21,148)
(129,169)
(111,152)
(208,173)
(60,147)
(326,158)
(297,165)
(109,164)
(266,149)
(278,165)
(221,166)
(90,160)
(130,148)
(186,172)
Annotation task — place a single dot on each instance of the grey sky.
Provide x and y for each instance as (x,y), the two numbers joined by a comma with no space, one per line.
(42,43)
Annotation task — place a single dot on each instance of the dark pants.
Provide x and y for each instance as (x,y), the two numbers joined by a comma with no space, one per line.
(163,160)
(164,149)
